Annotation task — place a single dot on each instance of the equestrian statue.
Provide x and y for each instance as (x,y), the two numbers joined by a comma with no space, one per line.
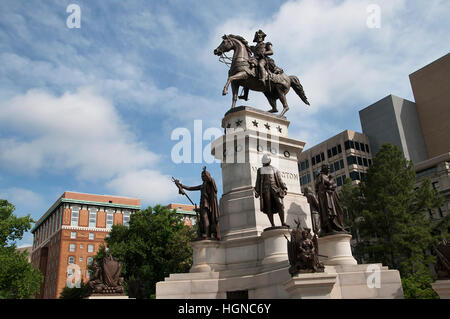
(253,69)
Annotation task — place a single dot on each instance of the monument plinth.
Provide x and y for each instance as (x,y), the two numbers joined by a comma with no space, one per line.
(337,250)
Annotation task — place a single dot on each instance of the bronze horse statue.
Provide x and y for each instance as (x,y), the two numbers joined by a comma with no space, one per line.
(243,73)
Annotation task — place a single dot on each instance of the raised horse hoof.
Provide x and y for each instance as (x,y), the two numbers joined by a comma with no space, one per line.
(224,92)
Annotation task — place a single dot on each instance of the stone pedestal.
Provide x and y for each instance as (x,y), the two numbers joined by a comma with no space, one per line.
(249,134)
(311,286)
(442,287)
(337,249)
(250,258)
(207,256)
(275,245)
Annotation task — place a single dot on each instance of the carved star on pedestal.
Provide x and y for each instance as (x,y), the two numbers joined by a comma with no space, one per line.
(238,122)
(267,126)
(255,123)
(279,128)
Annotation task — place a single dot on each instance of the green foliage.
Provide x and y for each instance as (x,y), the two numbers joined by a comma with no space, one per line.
(75,293)
(388,213)
(154,245)
(18,278)
(12,227)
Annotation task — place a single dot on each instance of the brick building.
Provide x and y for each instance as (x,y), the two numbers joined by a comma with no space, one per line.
(187,211)
(69,234)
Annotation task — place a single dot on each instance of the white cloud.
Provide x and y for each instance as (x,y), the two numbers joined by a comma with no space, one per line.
(26,198)
(150,186)
(80,131)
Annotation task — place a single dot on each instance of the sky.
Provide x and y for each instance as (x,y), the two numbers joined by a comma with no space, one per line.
(95,109)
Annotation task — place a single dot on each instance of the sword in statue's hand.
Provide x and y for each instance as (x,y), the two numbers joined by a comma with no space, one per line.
(181,190)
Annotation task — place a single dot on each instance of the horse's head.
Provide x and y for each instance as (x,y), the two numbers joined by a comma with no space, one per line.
(226,45)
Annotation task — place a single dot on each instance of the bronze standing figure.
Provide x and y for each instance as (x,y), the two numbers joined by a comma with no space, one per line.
(271,190)
(209,207)
(331,213)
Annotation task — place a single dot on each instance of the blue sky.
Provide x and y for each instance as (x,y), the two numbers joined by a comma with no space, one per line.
(93,109)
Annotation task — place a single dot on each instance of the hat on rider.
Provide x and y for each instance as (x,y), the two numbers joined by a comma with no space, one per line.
(259,33)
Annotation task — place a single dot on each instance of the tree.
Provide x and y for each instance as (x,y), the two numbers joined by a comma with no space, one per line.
(18,278)
(391,221)
(155,244)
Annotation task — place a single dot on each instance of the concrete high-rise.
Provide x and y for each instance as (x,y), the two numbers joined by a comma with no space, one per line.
(431,89)
(394,120)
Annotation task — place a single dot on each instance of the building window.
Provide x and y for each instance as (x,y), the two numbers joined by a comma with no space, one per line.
(360,162)
(329,153)
(109,219)
(362,147)
(81,246)
(73,235)
(72,247)
(354,175)
(322,156)
(365,162)
(357,146)
(90,248)
(71,259)
(339,181)
(75,214)
(347,145)
(92,217)
(351,160)
(339,148)
(126,218)
(367,148)
(81,259)
(341,162)
(317,158)
(313,161)
(352,145)
(336,166)
(90,260)
(334,150)
(91,236)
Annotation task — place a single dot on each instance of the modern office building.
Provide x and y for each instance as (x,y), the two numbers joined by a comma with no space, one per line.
(394,120)
(431,89)
(69,234)
(348,154)
(437,169)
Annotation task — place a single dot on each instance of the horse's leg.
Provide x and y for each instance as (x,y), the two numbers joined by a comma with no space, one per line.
(272,102)
(282,97)
(235,90)
(238,76)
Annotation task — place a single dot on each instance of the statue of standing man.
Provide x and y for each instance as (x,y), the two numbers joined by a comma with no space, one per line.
(271,190)
(331,213)
(209,207)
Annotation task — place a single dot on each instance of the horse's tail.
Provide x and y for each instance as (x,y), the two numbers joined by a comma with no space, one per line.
(298,88)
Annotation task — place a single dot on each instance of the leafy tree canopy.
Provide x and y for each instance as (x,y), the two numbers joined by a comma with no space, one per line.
(387,212)
(155,244)
(18,278)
